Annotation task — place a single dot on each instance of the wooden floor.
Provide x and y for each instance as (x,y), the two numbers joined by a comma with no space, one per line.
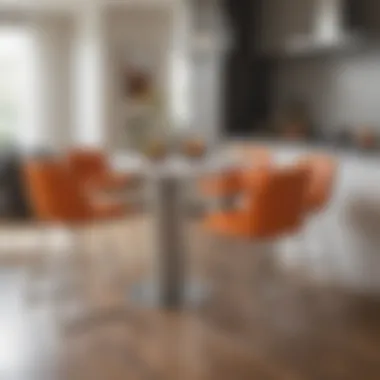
(259,324)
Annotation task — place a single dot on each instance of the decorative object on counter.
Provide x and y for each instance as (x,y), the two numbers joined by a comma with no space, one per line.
(343,137)
(294,121)
(194,148)
(157,150)
(366,138)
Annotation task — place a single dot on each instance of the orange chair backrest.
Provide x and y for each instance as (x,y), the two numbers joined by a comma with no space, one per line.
(231,179)
(53,192)
(276,201)
(86,163)
(322,177)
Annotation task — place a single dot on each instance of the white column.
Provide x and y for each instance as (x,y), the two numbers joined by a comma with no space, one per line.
(198,53)
(211,38)
(90,78)
(180,100)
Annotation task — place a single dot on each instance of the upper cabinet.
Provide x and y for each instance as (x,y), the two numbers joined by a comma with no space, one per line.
(363,16)
(279,21)
(208,29)
(310,26)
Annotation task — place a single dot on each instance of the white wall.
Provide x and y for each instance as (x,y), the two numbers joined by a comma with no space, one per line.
(67,114)
(82,103)
(82,71)
(144,35)
(47,115)
(340,91)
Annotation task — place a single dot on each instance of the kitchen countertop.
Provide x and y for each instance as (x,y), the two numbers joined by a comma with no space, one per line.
(316,144)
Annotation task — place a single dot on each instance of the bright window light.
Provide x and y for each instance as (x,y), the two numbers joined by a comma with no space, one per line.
(17,87)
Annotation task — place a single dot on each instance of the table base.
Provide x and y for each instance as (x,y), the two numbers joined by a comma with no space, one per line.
(147,294)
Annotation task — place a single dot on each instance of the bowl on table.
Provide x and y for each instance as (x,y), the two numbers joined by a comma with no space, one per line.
(194,148)
(366,138)
(157,151)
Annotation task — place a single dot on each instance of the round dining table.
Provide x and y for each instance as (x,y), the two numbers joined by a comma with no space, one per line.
(169,181)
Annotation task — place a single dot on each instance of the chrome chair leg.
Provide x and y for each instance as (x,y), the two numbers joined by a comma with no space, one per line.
(36,269)
(99,316)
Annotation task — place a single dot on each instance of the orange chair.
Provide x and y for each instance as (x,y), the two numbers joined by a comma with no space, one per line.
(57,199)
(274,207)
(233,181)
(275,204)
(91,169)
(56,196)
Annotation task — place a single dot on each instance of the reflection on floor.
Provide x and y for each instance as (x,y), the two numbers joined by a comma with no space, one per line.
(259,324)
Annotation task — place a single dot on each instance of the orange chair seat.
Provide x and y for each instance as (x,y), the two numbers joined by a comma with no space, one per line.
(96,212)
(101,211)
(233,223)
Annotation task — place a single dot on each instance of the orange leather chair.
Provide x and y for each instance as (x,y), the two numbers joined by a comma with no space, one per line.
(56,196)
(91,169)
(274,206)
(57,199)
(233,181)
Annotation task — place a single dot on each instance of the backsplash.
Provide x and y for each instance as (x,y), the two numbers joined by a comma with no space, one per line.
(339,90)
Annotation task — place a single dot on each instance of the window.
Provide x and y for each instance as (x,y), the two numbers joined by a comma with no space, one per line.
(16,88)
